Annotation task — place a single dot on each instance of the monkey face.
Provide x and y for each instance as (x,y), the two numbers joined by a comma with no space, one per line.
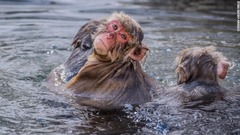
(114,36)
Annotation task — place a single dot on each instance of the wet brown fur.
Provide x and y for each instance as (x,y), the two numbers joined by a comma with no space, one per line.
(109,85)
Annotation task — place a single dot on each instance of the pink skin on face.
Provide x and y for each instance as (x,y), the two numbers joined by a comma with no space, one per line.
(222,68)
(114,35)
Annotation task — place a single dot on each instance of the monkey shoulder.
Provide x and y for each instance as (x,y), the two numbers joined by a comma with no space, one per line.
(198,90)
(190,93)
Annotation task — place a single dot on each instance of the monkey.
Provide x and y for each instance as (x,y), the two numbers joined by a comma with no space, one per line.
(198,70)
(104,69)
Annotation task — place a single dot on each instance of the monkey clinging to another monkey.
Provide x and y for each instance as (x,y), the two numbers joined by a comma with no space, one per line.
(103,70)
(198,70)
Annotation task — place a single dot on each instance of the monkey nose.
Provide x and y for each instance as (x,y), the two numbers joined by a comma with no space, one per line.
(110,35)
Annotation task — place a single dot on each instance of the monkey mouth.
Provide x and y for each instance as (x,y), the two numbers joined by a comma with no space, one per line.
(101,48)
(103,43)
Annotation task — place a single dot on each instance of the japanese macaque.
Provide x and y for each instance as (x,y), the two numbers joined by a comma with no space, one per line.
(104,68)
(198,70)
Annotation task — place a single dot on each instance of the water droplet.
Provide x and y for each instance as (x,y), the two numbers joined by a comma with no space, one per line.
(168,50)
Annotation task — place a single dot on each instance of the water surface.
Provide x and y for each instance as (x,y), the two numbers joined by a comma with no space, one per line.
(35,37)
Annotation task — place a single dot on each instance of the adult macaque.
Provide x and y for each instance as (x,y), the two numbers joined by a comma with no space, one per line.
(104,70)
(198,70)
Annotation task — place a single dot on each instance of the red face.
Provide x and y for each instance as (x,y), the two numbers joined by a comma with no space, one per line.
(114,35)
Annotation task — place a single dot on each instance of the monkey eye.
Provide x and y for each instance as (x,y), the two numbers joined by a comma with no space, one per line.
(124,36)
(115,27)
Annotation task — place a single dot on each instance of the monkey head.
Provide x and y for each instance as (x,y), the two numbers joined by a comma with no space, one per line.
(119,37)
(204,64)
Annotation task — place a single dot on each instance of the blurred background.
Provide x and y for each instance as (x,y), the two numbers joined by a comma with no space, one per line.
(36,36)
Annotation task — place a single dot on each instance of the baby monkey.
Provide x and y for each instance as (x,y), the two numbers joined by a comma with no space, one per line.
(199,70)
(103,70)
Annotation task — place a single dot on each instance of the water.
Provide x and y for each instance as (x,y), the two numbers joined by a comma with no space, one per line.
(35,37)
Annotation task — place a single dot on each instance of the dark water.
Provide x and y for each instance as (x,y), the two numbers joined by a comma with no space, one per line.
(35,37)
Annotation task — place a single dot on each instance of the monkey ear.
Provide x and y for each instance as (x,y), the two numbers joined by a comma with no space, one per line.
(184,72)
(138,53)
(222,68)
(181,75)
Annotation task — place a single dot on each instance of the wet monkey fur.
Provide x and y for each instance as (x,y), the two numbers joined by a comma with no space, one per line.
(198,72)
(103,70)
